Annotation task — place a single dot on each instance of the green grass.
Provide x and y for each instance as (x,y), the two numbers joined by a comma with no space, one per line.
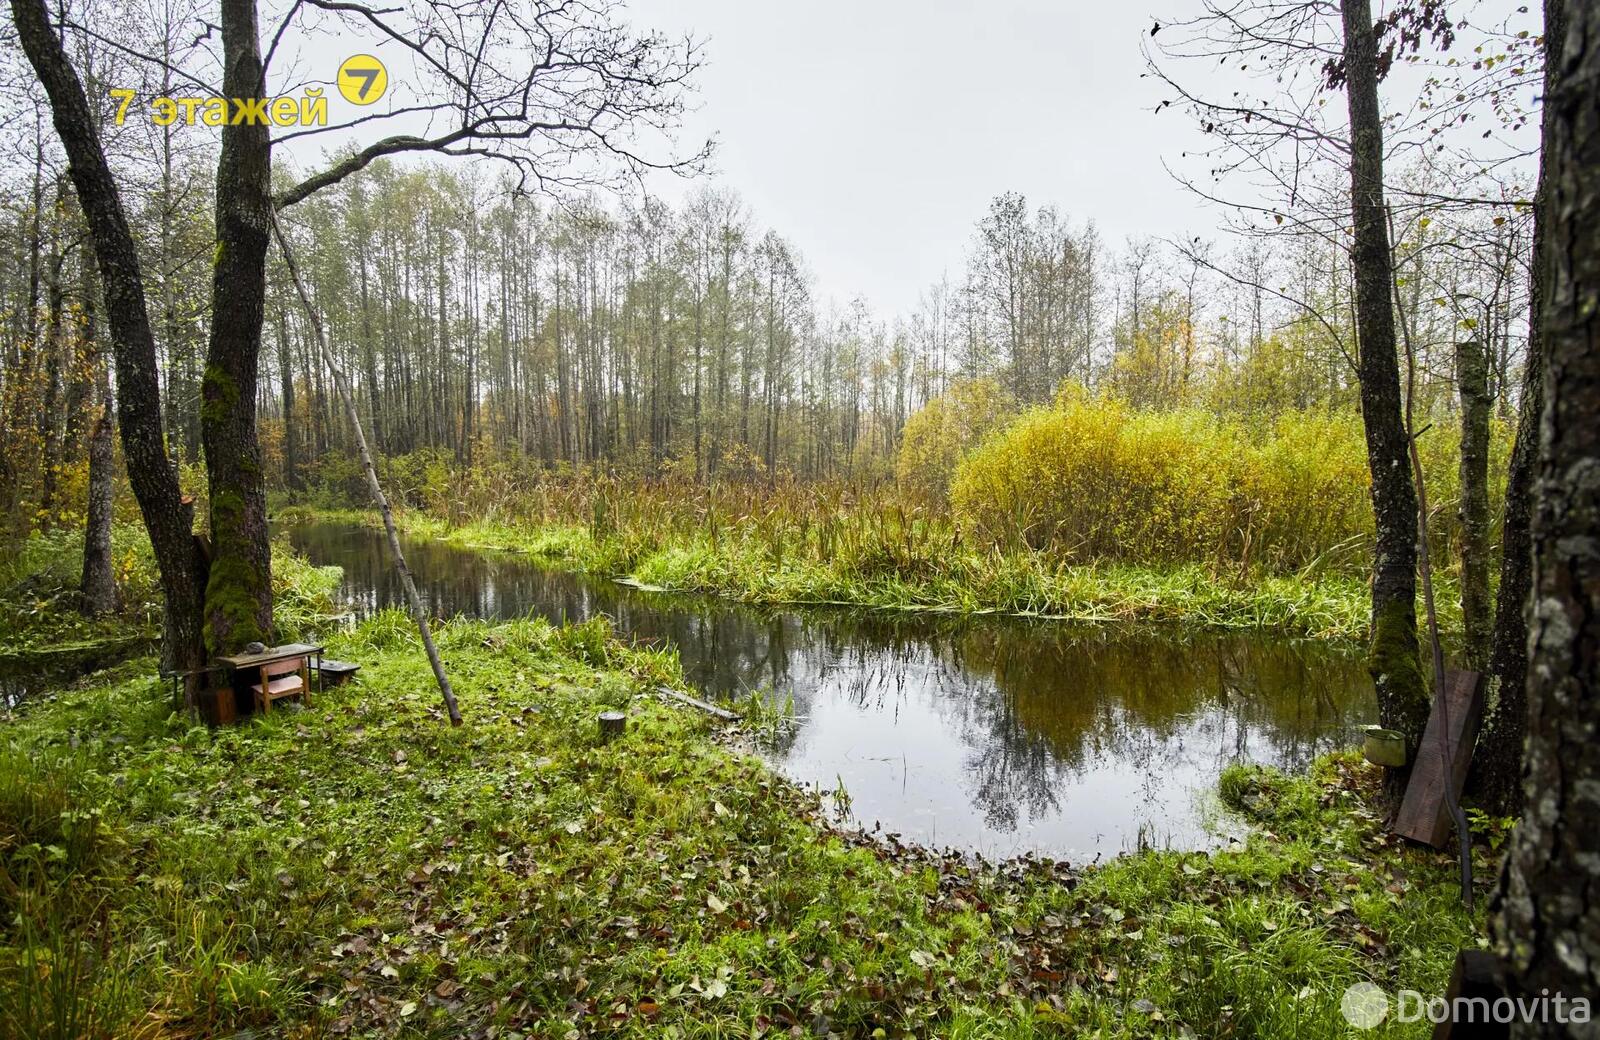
(363,869)
(39,617)
(38,591)
(740,562)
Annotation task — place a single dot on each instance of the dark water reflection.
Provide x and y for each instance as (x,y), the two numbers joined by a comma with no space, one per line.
(993,734)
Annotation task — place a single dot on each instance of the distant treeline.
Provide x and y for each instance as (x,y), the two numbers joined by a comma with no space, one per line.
(688,340)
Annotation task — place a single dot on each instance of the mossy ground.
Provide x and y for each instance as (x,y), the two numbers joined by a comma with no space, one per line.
(361,868)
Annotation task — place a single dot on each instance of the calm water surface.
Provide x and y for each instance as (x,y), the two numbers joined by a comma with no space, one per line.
(995,735)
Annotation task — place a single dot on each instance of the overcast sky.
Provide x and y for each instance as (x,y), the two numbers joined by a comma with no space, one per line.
(872,134)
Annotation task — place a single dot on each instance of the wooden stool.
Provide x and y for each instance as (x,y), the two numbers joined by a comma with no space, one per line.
(281,679)
(336,672)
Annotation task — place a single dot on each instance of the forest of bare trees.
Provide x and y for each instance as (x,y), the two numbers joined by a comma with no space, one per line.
(690,338)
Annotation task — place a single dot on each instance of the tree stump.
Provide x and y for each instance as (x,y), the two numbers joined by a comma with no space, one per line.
(612,724)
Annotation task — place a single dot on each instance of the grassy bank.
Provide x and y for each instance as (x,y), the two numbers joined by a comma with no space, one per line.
(362,869)
(739,561)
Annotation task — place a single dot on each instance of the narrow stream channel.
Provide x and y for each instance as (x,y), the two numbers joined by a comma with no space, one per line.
(994,735)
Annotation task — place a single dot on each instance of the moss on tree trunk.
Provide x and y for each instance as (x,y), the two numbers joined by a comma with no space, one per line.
(1394,660)
(238,603)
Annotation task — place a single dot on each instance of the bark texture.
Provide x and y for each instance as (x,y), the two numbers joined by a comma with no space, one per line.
(1393,653)
(1472,382)
(98,585)
(169,522)
(1549,906)
(1497,764)
(238,600)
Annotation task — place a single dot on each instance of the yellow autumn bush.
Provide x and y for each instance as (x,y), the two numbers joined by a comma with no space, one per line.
(941,432)
(1092,478)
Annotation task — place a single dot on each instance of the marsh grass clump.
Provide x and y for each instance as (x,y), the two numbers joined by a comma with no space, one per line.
(1088,509)
(304,596)
(46,833)
(928,569)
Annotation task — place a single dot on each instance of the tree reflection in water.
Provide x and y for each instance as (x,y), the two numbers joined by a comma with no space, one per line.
(998,735)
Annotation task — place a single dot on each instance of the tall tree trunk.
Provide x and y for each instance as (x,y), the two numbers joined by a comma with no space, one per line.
(98,585)
(238,602)
(1472,381)
(50,413)
(1392,657)
(291,433)
(1549,912)
(1497,763)
(167,518)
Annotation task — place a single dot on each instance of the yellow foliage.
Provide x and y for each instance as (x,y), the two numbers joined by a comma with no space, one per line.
(940,433)
(1093,478)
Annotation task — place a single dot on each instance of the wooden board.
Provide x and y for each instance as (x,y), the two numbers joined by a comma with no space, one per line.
(1424,812)
(695,702)
(271,655)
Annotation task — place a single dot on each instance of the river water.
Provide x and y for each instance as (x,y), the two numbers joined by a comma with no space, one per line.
(989,734)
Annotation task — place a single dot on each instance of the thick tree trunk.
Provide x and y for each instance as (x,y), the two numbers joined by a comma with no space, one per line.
(1549,913)
(1497,763)
(1393,656)
(168,520)
(238,602)
(1472,382)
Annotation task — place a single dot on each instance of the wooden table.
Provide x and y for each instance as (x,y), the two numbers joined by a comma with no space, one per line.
(283,671)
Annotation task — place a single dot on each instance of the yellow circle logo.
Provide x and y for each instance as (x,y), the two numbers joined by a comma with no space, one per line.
(362,79)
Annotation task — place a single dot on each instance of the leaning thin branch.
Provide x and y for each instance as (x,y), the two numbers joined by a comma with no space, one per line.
(342,385)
